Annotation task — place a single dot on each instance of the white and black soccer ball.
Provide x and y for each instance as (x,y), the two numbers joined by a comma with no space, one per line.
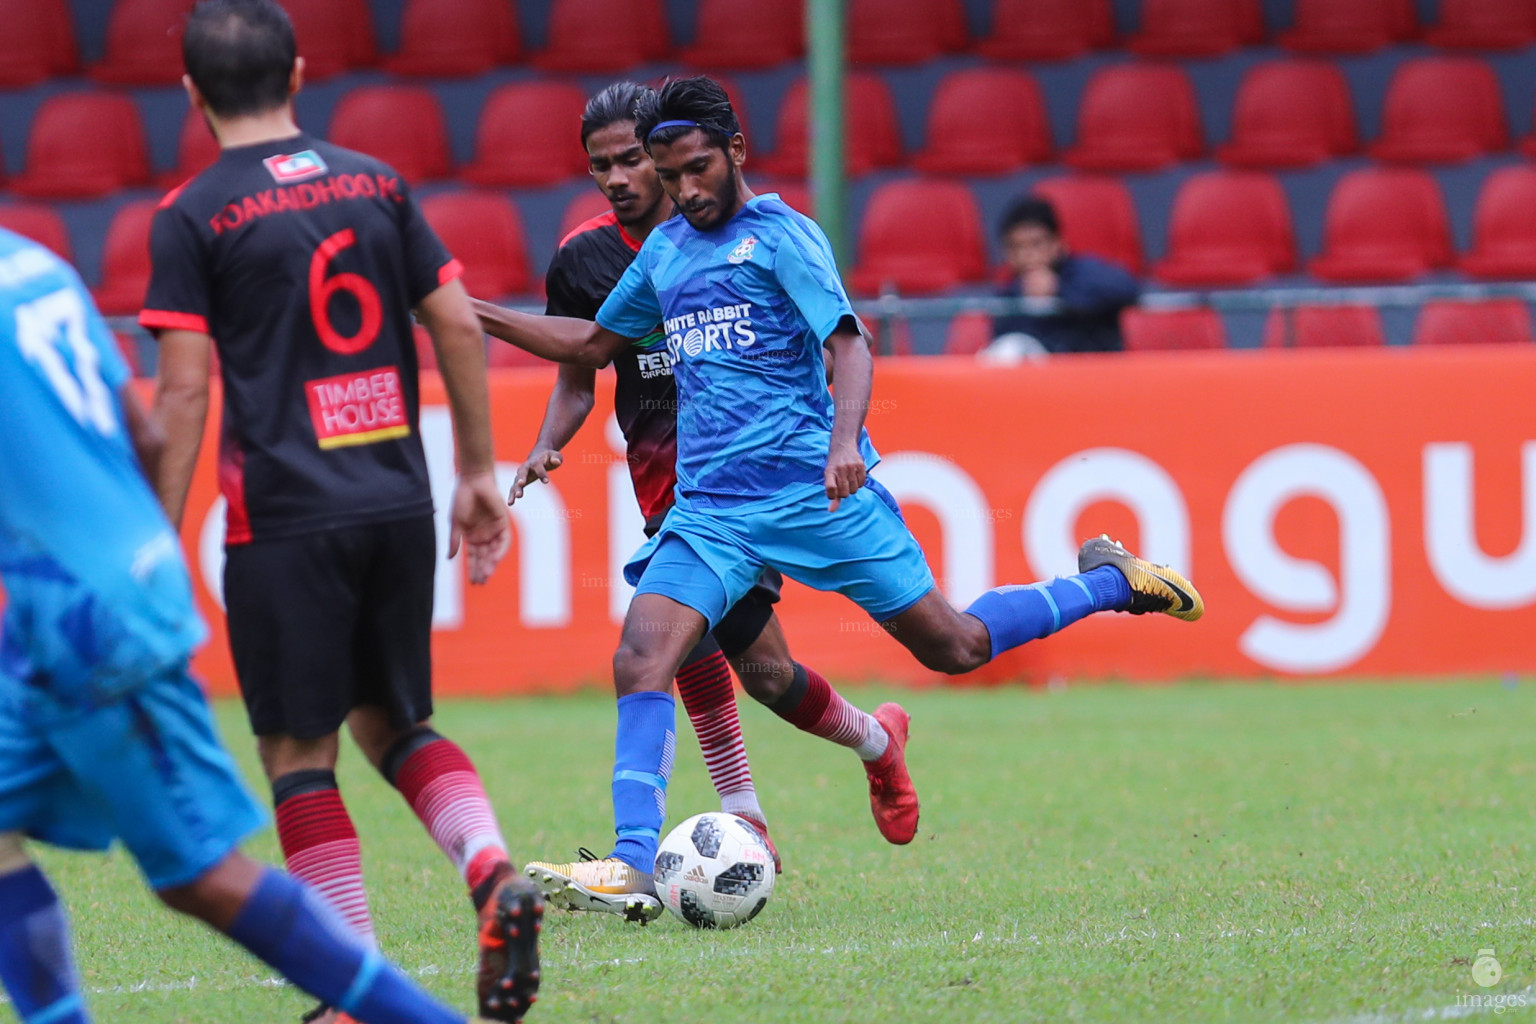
(714,871)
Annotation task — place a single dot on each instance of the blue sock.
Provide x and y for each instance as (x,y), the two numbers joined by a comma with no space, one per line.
(642,763)
(35,962)
(1017,615)
(287,925)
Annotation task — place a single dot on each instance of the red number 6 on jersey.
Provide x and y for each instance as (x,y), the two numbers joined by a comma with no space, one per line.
(321,288)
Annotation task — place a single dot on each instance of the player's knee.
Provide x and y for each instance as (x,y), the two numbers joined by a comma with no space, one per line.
(764,681)
(957,655)
(638,666)
(13,855)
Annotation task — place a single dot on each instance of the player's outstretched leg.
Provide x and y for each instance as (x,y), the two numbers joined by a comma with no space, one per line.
(950,641)
(285,924)
(442,786)
(36,964)
(658,633)
(803,698)
(709,698)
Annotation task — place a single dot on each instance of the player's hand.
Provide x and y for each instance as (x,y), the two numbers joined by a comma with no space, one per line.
(480,523)
(845,473)
(537,467)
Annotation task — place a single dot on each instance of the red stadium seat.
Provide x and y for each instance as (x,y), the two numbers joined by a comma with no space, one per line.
(39,223)
(38,41)
(1228,227)
(1136,117)
(1489,322)
(968,334)
(1484,24)
(196,150)
(485,233)
(871,137)
(919,236)
(1348,26)
(1048,29)
(909,32)
(985,121)
(456,37)
(1168,330)
(796,194)
(1384,224)
(529,134)
(401,125)
(1442,108)
(747,34)
(82,145)
(1290,113)
(1504,226)
(1324,327)
(583,206)
(1097,216)
(1197,28)
(125,259)
(333,35)
(603,35)
(144,42)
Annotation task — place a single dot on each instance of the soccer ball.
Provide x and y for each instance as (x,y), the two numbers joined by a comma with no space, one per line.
(714,871)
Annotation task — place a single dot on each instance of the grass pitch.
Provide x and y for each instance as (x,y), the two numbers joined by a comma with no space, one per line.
(1319,853)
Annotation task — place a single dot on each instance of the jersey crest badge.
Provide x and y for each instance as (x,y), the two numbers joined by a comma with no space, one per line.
(743,250)
(289,168)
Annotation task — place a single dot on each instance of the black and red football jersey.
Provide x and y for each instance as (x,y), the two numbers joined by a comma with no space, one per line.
(303,260)
(589,263)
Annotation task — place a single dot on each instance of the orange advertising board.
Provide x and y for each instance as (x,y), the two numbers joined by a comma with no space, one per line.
(1343,512)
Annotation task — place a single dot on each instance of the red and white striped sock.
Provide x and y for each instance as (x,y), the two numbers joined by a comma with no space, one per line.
(705,688)
(440,783)
(814,706)
(320,846)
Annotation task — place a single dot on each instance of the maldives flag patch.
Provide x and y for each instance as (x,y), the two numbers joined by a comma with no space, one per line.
(287,169)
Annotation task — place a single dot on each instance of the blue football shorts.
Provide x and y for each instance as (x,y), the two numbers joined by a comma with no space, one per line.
(863,551)
(146,768)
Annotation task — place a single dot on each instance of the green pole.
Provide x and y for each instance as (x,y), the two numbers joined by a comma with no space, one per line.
(824,55)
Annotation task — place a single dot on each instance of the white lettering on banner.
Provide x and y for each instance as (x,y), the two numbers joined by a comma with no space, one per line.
(965,526)
(1450,532)
(1105,474)
(1361,600)
(539,524)
(626,526)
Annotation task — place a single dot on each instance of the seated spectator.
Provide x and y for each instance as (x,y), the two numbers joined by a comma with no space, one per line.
(1073,302)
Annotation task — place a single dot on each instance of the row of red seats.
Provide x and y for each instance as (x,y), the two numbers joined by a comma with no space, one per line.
(1440,322)
(464,37)
(1288,113)
(1227,228)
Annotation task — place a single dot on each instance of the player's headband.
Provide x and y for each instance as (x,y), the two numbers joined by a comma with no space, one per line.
(671,124)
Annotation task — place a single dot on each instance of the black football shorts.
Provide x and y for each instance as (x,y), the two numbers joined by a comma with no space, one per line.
(325,622)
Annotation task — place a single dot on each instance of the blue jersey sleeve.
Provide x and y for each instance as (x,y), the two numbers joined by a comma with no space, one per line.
(632,308)
(114,369)
(807,271)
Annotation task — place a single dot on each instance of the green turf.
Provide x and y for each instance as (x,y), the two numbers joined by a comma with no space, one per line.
(1189,853)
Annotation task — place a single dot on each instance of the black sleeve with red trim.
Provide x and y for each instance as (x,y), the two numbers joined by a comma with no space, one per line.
(565,296)
(428,264)
(178,297)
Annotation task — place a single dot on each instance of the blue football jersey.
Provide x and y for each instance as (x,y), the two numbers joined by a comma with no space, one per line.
(745,308)
(97,593)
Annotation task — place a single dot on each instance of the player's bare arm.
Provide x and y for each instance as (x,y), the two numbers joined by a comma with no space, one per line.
(479,519)
(145,433)
(855,381)
(181,410)
(560,339)
(569,405)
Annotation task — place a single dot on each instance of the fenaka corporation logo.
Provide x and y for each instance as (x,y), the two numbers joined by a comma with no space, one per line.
(293,167)
(743,250)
